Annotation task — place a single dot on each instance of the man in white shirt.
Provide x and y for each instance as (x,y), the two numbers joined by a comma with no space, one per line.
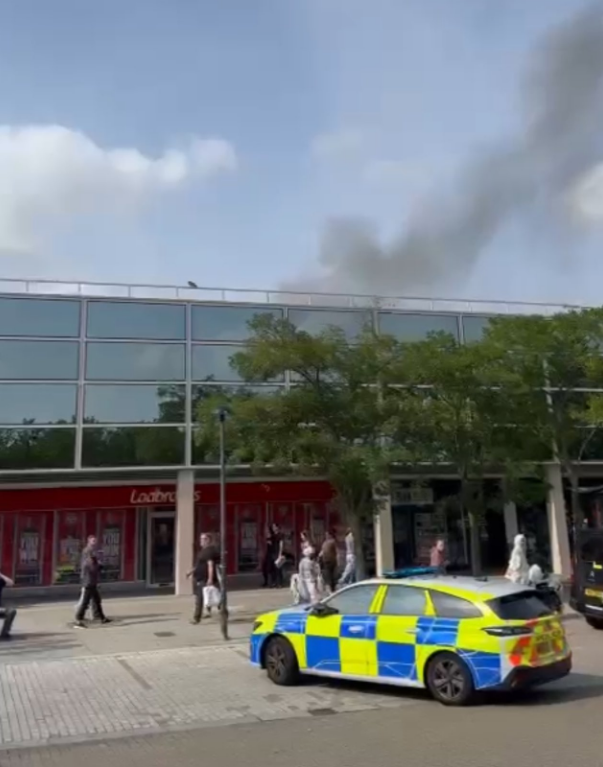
(349,574)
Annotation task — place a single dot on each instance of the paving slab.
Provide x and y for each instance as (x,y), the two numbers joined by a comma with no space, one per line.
(107,696)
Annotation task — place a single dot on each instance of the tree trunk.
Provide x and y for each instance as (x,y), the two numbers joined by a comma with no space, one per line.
(476,543)
(576,507)
(471,506)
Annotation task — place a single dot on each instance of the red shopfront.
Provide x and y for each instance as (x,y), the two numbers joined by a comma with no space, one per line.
(43,530)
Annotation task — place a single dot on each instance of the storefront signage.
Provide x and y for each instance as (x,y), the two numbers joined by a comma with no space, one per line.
(412,496)
(157,497)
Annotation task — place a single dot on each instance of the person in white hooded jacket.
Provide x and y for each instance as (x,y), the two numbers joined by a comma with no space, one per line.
(518,570)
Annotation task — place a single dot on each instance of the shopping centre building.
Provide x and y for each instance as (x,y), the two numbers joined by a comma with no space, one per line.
(98,393)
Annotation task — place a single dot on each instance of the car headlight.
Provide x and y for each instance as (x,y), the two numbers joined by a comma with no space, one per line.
(257,625)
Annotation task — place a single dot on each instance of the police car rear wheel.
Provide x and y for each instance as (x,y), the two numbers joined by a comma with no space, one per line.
(595,623)
(281,663)
(449,680)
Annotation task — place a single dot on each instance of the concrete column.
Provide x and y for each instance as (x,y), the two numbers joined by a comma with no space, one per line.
(511,525)
(185,529)
(384,535)
(558,532)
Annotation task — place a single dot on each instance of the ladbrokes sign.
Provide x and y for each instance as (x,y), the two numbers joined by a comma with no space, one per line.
(156,497)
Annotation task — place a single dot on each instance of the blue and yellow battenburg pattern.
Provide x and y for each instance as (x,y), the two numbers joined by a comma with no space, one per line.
(395,649)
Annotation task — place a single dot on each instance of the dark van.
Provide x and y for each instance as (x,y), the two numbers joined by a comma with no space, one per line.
(587,591)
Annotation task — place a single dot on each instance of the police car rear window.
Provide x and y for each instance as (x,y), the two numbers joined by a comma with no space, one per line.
(525,606)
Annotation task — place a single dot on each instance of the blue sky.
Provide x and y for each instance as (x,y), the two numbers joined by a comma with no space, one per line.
(320,108)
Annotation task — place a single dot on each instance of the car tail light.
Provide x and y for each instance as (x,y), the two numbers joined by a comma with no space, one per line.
(508,631)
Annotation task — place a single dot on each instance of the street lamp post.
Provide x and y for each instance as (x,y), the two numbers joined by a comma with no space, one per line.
(221,413)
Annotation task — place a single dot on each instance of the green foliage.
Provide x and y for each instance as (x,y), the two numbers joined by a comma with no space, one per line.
(500,406)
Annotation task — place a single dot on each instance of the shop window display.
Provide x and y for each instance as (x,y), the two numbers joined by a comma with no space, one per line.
(30,534)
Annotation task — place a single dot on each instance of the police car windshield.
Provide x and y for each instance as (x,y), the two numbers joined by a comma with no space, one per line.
(525,606)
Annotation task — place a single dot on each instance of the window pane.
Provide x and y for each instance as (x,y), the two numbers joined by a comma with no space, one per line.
(115,319)
(447,606)
(212,363)
(417,327)
(404,600)
(525,606)
(123,403)
(475,327)
(314,321)
(39,360)
(225,323)
(37,403)
(37,449)
(135,362)
(133,446)
(39,317)
(356,600)
(203,392)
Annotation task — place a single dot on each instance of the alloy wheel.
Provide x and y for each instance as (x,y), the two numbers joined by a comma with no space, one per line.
(448,679)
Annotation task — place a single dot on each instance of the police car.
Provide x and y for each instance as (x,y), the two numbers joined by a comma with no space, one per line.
(454,636)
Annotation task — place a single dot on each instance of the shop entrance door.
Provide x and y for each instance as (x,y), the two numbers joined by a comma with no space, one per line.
(161,548)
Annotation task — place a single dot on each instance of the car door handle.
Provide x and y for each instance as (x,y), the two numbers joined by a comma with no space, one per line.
(411,631)
(355,629)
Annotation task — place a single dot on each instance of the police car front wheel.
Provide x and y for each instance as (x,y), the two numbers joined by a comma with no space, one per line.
(281,662)
(449,679)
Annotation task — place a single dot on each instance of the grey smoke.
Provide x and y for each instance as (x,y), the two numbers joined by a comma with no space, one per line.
(561,140)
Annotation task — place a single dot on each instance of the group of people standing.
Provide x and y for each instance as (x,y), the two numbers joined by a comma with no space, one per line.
(319,571)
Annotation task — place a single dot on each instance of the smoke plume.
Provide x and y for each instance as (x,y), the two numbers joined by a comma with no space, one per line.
(547,163)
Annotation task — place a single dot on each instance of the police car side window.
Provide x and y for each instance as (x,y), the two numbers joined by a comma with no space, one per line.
(404,600)
(447,606)
(354,601)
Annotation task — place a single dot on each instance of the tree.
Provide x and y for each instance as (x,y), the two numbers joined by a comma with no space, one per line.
(548,369)
(459,417)
(336,421)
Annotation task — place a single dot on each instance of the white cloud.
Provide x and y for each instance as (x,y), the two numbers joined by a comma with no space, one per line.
(50,175)
(337,145)
(585,198)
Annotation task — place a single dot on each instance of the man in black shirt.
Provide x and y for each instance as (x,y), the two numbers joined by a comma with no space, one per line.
(8,614)
(205,573)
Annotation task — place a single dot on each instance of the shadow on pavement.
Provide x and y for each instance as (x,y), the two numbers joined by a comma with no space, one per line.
(20,644)
(575,687)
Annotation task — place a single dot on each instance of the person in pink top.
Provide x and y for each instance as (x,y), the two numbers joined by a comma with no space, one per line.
(437,557)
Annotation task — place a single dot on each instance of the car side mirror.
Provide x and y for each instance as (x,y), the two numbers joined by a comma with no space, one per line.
(321,610)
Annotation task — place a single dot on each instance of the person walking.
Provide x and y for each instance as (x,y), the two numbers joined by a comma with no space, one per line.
(437,557)
(518,570)
(91,546)
(328,561)
(205,574)
(276,557)
(309,576)
(349,574)
(90,578)
(9,614)
(267,564)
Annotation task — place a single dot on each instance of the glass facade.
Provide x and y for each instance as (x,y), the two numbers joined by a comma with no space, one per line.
(474,328)
(120,319)
(91,383)
(417,327)
(41,317)
(225,323)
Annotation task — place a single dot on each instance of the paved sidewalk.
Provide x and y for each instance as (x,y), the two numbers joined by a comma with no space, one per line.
(112,696)
(152,672)
(45,631)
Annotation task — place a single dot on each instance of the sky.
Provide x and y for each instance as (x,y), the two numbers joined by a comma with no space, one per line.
(261,143)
